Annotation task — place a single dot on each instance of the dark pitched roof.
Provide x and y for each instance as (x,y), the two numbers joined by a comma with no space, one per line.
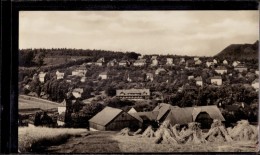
(150,115)
(105,116)
(177,115)
(180,115)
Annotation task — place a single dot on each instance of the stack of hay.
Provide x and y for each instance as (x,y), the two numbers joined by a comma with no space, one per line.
(167,134)
(193,134)
(139,131)
(148,132)
(218,133)
(244,131)
(125,132)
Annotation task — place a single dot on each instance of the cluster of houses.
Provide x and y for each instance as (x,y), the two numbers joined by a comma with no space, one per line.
(116,119)
(219,67)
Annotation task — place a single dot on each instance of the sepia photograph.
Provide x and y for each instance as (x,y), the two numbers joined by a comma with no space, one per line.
(138,81)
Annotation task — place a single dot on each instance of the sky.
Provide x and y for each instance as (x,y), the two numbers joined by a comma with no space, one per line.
(193,33)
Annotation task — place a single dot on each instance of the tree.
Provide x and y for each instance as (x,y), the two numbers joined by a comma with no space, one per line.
(39,59)
(26,58)
(110,91)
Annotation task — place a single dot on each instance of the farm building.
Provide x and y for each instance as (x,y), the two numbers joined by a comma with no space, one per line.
(133,93)
(147,118)
(176,115)
(113,119)
(132,110)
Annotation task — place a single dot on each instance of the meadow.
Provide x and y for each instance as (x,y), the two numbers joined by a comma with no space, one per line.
(61,140)
(36,139)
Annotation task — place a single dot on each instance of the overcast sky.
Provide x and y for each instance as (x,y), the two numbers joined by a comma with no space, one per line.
(202,33)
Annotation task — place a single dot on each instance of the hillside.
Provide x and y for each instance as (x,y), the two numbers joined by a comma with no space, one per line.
(239,51)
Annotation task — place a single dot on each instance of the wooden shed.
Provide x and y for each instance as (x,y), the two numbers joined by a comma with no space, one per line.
(114,119)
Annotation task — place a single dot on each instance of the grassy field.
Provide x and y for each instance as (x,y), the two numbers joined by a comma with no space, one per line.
(27,102)
(110,142)
(36,139)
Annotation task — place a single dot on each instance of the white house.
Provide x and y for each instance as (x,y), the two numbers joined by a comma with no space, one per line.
(140,62)
(83,79)
(59,75)
(169,61)
(42,77)
(103,75)
(208,63)
(199,81)
(62,107)
(215,61)
(153,57)
(190,77)
(112,62)
(100,62)
(216,80)
(255,84)
(160,70)
(240,68)
(80,71)
(196,58)
(182,60)
(77,92)
(221,70)
(154,62)
(235,63)
(149,76)
(225,62)
(198,62)
(257,72)
(123,63)
(140,57)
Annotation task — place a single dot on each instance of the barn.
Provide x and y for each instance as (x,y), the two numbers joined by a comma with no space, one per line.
(147,118)
(176,115)
(113,119)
